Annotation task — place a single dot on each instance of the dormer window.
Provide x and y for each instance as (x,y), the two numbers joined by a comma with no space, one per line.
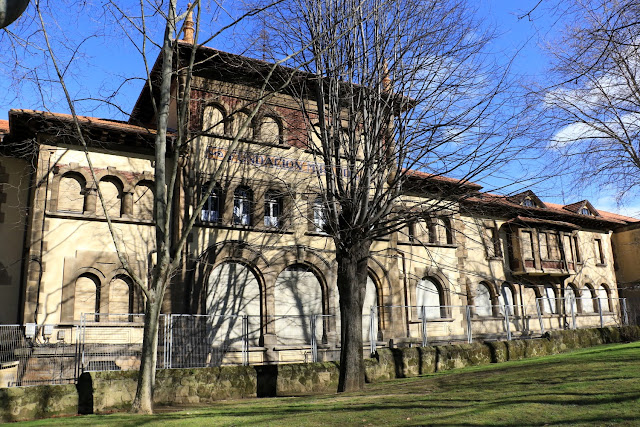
(528,203)
(585,211)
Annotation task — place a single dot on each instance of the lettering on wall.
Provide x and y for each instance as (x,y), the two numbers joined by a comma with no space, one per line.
(270,161)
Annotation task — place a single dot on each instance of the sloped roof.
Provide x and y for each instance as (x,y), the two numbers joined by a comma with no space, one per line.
(410,173)
(552,210)
(219,65)
(519,198)
(575,207)
(83,120)
(4,126)
(113,134)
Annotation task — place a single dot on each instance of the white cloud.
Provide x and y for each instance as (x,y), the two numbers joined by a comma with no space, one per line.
(608,203)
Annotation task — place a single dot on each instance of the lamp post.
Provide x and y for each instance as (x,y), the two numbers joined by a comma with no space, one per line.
(10,10)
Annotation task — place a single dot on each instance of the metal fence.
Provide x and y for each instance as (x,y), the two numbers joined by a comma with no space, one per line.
(29,357)
(45,354)
(192,341)
(424,325)
(110,342)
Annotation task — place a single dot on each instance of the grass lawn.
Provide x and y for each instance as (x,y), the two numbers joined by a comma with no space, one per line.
(597,386)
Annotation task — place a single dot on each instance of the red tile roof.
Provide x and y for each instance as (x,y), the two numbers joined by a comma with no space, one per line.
(424,175)
(4,126)
(85,120)
(494,199)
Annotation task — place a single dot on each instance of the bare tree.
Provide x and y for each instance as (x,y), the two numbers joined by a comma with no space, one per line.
(173,69)
(589,112)
(402,89)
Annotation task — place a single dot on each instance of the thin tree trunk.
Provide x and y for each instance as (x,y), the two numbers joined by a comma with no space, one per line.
(143,402)
(352,283)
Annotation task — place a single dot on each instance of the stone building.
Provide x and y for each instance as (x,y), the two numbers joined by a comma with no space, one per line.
(258,247)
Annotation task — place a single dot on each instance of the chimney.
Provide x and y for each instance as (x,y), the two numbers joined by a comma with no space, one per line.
(188,26)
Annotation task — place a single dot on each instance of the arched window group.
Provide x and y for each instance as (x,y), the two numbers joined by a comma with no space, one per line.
(298,305)
(488,302)
(73,195)
(265,128)
(585,300)
(95,296)
(435,231)
(244,207)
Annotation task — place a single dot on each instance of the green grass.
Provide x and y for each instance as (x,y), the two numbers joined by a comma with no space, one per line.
(597,386)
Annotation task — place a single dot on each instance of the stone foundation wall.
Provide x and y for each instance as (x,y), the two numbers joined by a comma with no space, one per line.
(30,403)
(99,392)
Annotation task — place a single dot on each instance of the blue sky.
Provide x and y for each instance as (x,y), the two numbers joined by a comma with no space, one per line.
(108,59)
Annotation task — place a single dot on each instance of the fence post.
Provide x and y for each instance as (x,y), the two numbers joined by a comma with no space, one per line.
(373,320)
(245,340)
(77,355)
(423,314)
(540,315)
(625,313)
(469,332)
(170,334)
(82,331)
(314,341)
(506,321)
(600,312)
(525,320)
(573,312)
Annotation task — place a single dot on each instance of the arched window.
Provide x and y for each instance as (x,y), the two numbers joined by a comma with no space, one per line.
(432,229)
(233,290)
(528,203)
(242,200)
(239,120)
(447,230)
(213,120)
(604,295)
(429,295)
(482,300)
(570,300)
(505,300)
(71,193)
(588,299)
(585,211)
(270,130)
(121,296)
(111,189)
(298,295)
(370,300)
(211,209)
(143,200)
(273,209)
(87,296)
(549,305)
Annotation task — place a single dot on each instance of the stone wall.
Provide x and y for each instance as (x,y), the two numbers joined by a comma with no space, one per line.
(99,392)
(29,403)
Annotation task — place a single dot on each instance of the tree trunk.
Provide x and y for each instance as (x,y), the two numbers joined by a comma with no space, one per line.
(352,283)
(143,402)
